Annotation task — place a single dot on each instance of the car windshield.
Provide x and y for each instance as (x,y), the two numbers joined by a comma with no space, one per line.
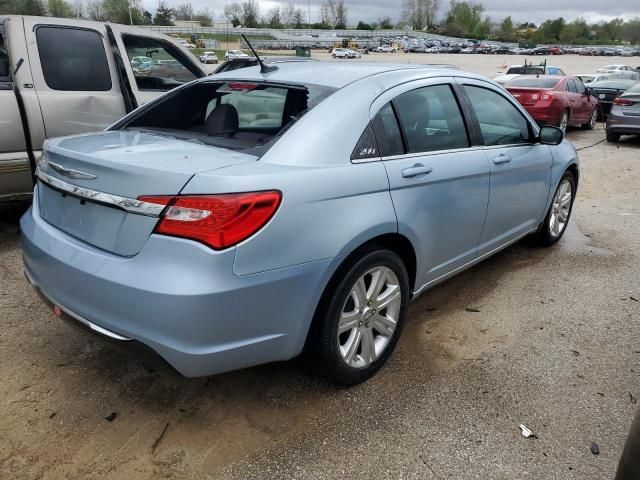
(525,70)
(535,82)
(237,115)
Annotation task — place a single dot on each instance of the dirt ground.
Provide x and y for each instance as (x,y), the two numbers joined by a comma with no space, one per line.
(555,344)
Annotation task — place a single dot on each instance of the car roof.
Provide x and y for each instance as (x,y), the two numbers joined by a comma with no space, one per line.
(333,74)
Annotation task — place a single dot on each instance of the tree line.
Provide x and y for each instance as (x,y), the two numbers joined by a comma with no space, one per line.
(464,18)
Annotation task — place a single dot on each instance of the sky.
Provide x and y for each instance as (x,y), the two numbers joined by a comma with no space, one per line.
(520,10)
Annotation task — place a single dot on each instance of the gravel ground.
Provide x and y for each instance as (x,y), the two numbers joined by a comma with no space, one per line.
(554,346)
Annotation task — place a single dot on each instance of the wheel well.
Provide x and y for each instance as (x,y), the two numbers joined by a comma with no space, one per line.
(399,244)
(574,171)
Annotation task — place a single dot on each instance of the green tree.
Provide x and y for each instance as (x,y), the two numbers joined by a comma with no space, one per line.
(465,19)
(549,31)
(205,17)
(233,14)
(363,26)
(164,14)
(250,13)
(507,33)
(385,23)
(32,7)
(61,8)
(631,31)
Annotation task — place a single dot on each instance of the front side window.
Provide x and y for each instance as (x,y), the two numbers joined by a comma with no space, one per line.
(431,119)
(73,59)
(156,65)
(500,121)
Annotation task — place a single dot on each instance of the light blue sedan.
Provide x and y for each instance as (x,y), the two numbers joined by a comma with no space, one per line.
(241,218)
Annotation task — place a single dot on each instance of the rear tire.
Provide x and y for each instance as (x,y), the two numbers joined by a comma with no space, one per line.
(557,218)
(564,121)
(613,137)
(360,317)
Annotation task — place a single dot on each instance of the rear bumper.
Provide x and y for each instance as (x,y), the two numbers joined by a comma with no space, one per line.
(623,124)
(176,297)
(544,115)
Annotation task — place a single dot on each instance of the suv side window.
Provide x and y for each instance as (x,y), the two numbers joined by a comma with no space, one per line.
(73,59)
(387,131)
(501,123)
(156,64)
(431,119)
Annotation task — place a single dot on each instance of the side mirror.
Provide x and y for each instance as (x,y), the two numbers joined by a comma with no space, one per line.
(550,135)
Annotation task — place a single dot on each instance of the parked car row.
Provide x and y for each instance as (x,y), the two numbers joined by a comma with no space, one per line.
(557,99)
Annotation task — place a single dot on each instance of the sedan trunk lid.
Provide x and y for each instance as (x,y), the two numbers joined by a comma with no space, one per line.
(88,183)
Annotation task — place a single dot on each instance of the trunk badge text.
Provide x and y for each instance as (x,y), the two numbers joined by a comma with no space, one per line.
(69,172)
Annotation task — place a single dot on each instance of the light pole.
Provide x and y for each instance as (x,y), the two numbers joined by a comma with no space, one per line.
(309,12)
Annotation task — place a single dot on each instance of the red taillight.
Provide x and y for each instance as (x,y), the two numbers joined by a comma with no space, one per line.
(219,221)
(545,97)
(623,101)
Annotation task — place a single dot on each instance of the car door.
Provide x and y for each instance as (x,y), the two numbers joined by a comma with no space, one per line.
(439,183)
(15,171)
(520,166)
(73,76)
(584,101)
(574,101)
(169,66)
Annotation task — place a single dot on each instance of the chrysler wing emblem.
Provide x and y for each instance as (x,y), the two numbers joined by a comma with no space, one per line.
(601,95)
(70,172)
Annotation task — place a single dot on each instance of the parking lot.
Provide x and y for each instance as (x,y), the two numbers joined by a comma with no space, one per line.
(545,338)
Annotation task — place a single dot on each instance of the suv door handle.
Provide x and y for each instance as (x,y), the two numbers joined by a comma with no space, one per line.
(502,158)
(417,169)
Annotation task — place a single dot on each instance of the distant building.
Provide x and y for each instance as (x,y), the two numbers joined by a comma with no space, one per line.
(187,23)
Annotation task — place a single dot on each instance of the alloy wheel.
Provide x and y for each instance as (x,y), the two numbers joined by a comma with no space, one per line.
(564,120)
(369,317)
(560,208)
(594,118)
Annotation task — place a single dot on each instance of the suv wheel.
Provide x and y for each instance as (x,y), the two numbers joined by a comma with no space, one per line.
(362,317)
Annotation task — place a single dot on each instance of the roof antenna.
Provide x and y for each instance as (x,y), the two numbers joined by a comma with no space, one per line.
(263,68)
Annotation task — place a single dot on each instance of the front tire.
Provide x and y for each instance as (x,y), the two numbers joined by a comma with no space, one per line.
(361,317)
(557,218)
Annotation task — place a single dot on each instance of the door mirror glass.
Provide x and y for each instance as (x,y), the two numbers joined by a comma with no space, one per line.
(551,135)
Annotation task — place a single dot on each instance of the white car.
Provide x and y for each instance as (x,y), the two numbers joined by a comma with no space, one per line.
(186,44)
(344,53)
(615,69)
(517,70)
(386,49)
(233,54)
(586,78)
(209,57)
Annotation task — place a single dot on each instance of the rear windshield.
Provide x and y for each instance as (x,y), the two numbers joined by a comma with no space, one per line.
(237,115)
(525,70)
(634,89)
(617,84)
(533,82)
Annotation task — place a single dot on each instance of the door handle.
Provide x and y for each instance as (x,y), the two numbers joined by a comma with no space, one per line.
(502,158)
(417,169)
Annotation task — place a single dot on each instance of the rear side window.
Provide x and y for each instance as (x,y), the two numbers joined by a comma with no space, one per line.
(501,123)
(431,119)
(73,59)
(387,132)
(570,86)
(367,147)
(156,65)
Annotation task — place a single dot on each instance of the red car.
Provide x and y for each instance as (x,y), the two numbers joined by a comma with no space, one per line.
(555,100)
